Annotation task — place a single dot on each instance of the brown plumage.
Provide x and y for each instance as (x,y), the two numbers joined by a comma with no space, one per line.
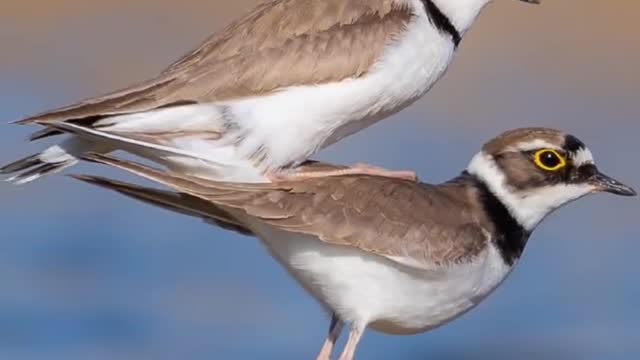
(274,46)
(396,219)
(507,141)
(176,202)
(392,255)
(514,155)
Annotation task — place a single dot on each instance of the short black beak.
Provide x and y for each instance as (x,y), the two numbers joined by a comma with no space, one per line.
(605,183)
(531,1)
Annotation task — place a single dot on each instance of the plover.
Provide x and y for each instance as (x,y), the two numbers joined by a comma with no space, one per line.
(267,92)
(393,255)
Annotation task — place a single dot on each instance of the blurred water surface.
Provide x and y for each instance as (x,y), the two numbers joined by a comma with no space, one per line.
(88,275)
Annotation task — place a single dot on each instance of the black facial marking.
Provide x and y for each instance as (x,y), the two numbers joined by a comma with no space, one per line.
(573,144)
(441,21)
(583,173)
(510,237)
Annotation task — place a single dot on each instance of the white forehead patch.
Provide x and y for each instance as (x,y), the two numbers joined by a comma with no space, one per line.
(582,156)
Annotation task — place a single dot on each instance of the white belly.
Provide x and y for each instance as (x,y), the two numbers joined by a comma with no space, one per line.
(388,297)
(290,125)
(286,127)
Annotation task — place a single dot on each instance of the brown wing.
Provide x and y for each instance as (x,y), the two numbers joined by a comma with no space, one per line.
(414,224)
(281,43)
(176,202)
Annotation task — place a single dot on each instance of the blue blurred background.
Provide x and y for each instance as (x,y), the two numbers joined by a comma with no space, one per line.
(85,274)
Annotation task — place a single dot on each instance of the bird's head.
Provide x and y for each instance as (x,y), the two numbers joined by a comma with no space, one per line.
(534,171)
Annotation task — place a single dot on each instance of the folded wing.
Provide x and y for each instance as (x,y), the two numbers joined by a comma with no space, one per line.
(392,218)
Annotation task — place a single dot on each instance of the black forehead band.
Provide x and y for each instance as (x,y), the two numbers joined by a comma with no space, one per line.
(573,144)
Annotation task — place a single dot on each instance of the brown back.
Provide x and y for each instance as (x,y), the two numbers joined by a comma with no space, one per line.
(279,44)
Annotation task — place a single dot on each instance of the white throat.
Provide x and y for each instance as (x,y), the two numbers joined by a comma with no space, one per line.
(528,207)
(461,13)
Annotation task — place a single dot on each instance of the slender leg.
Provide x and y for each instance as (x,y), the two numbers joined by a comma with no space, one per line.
(357,169)
(334,332)
(354,338)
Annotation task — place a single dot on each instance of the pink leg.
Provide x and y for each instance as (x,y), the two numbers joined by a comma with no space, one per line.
(354,338)
(334,332)
(357,169)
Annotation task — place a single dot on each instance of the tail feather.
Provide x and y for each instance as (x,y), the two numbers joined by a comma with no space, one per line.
(44,133)
(86,139)
(122,142)
(52,160)
(39,170)
(176,202)
(192,139)
(165,178)
(21,164)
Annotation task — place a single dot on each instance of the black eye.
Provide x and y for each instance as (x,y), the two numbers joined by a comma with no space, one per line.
(549,160)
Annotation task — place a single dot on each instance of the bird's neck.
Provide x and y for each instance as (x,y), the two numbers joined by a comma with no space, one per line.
(508,235)
(461,13)
(527,213)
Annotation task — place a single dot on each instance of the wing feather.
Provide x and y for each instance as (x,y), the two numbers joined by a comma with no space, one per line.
(176,202)
(414,224)
(271,48)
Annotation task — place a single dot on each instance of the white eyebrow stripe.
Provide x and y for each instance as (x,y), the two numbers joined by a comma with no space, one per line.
(582,156)
(534,145)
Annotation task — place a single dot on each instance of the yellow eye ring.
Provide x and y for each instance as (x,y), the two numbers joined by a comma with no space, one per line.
(549,160)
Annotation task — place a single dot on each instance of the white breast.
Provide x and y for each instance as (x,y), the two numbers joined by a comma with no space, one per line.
(372,290)
(294,123)
(273,131)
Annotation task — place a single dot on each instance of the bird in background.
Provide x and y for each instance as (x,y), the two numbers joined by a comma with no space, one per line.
(270,90)
(392,255)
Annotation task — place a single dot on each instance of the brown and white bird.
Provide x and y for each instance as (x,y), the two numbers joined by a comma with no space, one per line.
(392,255)
(269,91)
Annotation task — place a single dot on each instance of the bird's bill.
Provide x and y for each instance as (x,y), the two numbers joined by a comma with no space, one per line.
(531,1)
(604,183)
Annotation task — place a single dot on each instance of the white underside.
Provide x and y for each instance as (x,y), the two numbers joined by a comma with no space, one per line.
(373,291)
(288,126)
